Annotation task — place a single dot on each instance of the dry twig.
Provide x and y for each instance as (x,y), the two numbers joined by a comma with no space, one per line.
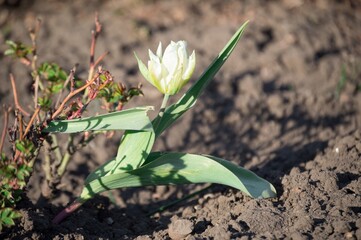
(69,79)
(17,105)
(95,34)
(33,34)
(31,121)
(72,94)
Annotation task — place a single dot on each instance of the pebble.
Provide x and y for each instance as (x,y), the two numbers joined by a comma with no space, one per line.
(180,228)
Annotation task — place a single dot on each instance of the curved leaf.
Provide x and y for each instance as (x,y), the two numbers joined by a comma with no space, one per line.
(132,119)
(133,150)
(106,167)
(101,171)
(180,168)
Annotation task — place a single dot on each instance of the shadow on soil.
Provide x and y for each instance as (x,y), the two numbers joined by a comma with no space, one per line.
(291,153)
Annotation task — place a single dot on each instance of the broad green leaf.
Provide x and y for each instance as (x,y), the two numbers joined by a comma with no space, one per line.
(106,167)
(173,112)
(132,119)
(133,150)
(101,171)
(180,168)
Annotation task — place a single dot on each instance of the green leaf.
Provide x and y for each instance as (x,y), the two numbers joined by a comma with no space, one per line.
(55,88)
(52,72)
(133,150)
(17,49)
(8,221)
(101,171)
(106,167)
(20,146)
(134,119)
(44,102)
(180,168)
(7,215)
(9,52)
(173,112)
(11,43)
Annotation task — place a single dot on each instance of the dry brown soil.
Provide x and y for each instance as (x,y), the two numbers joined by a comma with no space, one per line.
(276,107)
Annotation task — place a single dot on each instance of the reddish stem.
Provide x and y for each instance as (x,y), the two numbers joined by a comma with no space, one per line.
(16,96)
(72,94)
(67,211)
(30,123)
(70,79)
(95,34)
(101,58)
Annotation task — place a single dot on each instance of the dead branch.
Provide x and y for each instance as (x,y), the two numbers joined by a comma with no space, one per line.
(69,79)
(31,121)
(33,35)
(17,105)
(95,34)
(72,94)
(101,58)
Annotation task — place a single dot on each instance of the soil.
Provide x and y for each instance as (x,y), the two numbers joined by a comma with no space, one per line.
(279,107)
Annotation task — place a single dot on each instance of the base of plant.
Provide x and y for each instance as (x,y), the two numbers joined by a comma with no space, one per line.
(68,211)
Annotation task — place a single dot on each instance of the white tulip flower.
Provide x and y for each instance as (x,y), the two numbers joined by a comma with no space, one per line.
(170,71)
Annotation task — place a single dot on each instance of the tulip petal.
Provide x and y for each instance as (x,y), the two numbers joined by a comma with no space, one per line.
(182,55)
(143,69)
(190,67)
(170,71)
(153,57)
(170,58)
(176,83)
(159,50)
(155,73)
(154,65)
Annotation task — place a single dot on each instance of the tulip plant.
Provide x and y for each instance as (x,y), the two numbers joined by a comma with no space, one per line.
(135,164)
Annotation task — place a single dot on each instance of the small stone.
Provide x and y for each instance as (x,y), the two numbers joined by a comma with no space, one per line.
(358,223)
(275,105)
(180,228)
(146,237)
(349,235)
(190,237)
(358,147)
(358,232)
(298,236)
(340,227)
(109,221)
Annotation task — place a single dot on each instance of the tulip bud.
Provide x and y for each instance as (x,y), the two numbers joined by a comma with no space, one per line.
(170,71)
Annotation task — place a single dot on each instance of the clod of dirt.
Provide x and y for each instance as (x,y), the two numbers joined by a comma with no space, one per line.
(179,228)
(143,238)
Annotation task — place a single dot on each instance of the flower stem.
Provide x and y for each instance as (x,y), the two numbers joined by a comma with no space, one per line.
(161,112)
(164,105)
